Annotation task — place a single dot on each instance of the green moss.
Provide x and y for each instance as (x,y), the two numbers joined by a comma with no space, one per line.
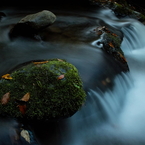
(142,17)
(115,41)
(121,9)
(50,97)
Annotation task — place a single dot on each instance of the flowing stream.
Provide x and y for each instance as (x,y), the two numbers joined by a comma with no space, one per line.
(115,116)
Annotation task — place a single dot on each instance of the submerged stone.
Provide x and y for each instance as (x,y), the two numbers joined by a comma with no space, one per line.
(31,24)
(42,90)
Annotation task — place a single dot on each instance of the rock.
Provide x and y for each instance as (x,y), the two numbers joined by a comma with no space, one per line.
(51,89)
(111,43)
(123,8)
(39,20)
(25,134)
(31,24)
(2,15)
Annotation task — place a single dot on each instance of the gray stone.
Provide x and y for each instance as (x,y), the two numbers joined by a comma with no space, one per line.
(30,25)
(39,20)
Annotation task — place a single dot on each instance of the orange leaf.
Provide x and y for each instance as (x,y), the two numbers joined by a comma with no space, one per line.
(5,98)
(110,44)
(7,76)
(60,77)
(26,97)
(41,62)
(22,109)
(114,34)
(122,56)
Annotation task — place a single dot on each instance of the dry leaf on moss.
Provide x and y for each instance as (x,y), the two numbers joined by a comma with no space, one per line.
(26,97)
(5,98)
(22,109)
(41,62)
(110,44)
(60,77)
(7,77)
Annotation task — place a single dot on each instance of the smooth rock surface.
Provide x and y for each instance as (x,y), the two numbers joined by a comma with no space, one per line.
(31,24)
(39,20)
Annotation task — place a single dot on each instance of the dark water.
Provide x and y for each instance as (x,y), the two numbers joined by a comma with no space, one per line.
(111,116)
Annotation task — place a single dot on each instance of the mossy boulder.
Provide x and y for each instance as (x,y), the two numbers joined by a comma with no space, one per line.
(55,89)
(122,8)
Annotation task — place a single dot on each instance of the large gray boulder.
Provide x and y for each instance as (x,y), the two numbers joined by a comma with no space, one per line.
(33,23)
(39,20)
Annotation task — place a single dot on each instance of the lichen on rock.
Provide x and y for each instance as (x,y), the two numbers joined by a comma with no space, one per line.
(55,89)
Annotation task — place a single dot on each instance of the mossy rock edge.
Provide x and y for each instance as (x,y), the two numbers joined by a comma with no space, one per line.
(55,88)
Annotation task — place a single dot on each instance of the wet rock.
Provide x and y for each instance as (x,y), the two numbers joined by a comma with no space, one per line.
(39,20)
(111,45)
(2,15)
(30,25)
(25,135)
(122,8)
(50,89)
(13,133)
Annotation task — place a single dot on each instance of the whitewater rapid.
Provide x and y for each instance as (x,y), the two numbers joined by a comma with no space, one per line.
(124,106)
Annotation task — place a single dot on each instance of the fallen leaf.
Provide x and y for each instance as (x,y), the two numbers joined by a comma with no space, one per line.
(114,34)
(122,56)
(59,59)
(60,77)
(22,109)
(41,62)
(25,135)
(7,76)
(26,97)
(5,98)
(110,44)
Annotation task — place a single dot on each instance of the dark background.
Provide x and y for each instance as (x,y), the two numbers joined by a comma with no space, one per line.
(39,3)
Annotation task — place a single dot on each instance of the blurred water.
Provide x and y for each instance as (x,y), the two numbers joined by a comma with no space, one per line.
(111,117)
(116,117)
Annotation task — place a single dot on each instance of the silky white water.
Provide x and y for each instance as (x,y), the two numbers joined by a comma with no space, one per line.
(123,108)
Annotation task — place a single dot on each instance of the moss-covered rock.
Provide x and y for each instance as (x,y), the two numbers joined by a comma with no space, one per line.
(111,45)
(54,86)
(122,8)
